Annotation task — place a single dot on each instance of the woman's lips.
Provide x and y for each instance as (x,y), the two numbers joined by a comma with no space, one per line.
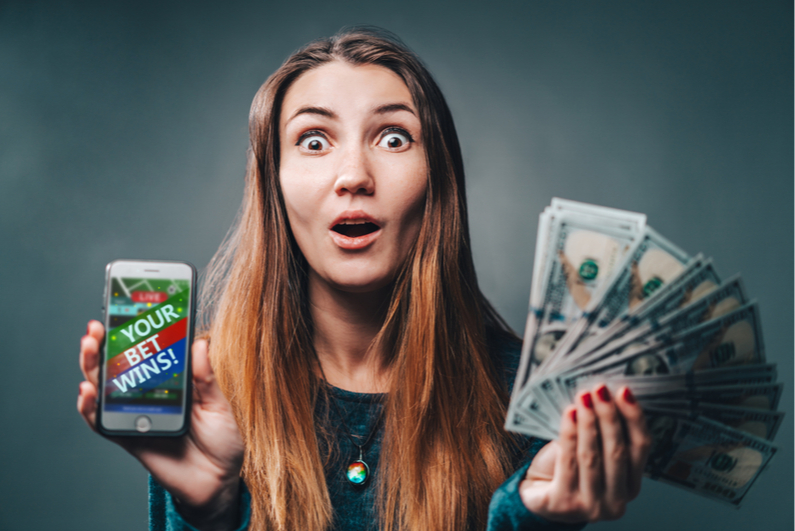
(354,230)
(359,242)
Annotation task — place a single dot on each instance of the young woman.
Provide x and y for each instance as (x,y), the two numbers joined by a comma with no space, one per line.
(346,325)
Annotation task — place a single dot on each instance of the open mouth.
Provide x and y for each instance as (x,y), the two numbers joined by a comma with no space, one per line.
(355,228)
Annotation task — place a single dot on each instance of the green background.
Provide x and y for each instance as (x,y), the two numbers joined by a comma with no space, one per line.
(118,342)
(123,134)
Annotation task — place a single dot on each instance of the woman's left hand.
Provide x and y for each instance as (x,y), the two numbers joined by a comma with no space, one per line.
(596,465)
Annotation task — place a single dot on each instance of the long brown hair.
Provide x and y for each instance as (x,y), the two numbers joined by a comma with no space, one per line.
(444,449)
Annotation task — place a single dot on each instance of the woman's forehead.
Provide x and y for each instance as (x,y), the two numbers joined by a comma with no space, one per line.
(344,89)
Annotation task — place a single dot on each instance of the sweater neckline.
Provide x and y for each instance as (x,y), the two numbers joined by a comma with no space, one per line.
(352,396)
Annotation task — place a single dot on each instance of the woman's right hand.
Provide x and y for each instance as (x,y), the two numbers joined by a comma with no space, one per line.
(201,470)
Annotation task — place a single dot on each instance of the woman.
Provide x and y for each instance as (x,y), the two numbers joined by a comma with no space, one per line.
(347,325)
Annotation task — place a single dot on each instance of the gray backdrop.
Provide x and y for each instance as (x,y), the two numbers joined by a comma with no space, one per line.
(123,131)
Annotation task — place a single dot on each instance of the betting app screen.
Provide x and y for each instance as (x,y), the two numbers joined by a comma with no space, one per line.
(146,345)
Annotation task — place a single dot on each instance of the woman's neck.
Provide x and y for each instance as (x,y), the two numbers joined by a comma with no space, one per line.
(345,325)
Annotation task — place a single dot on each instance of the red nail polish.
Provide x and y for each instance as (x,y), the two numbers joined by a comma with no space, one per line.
(587,401)
(629,397)
(603,393)
(574,416)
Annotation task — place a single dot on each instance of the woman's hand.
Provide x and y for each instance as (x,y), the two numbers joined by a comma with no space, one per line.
(202,469)
(596,465)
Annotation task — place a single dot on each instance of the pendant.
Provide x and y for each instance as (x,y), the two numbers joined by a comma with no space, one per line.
(358,471)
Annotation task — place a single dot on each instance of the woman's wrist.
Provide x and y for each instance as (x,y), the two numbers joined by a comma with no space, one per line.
(221,513)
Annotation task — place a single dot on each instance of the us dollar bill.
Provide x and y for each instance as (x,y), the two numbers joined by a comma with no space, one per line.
(705,457)
(657,330)
(763,396)
(745,375)
(758,392)
(720,301)
(584,247)
(653,262)
(583,251)
(521,422)
(730,340)
(648,357)
(698,280)
(760,423)
(612,301)
(760,396)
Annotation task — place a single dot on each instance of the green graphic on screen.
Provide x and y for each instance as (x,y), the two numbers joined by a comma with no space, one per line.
(147,345)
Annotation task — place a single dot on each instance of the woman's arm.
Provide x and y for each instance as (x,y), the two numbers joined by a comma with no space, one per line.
(164,515)
(507,511)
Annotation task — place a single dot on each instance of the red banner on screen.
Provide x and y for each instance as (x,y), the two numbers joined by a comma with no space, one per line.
(155,297)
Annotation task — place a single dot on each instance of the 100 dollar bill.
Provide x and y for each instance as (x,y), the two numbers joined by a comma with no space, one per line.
(584,244)
(705,457)
(652,263)
(716,303)
(762,423)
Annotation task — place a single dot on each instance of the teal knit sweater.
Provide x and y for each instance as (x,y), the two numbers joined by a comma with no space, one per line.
(354,506)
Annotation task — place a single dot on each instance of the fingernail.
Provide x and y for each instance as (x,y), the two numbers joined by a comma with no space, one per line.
(79,389)
(88,328)
(603,393)
(629,397)
(574,416)
(587,401)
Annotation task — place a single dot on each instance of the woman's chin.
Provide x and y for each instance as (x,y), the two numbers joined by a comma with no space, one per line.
(352,277)
(360,286)
(364,282)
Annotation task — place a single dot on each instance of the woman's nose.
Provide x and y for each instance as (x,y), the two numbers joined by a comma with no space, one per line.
(354,175)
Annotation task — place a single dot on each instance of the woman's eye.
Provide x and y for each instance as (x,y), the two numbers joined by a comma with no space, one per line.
(313,142)
(395,139)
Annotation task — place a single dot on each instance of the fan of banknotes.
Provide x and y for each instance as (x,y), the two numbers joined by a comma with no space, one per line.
(613,301)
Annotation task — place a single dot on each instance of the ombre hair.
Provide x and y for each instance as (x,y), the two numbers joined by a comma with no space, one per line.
(444,451)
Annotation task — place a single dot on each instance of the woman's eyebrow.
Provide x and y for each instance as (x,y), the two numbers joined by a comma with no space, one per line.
(322,111)
(393,107)
(328,113)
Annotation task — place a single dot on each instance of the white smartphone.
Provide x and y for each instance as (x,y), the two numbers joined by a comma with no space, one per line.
(145,370)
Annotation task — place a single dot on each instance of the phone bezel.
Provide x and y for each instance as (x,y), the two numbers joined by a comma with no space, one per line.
(163,425)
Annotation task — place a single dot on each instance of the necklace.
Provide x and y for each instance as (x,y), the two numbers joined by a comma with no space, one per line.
(358,471)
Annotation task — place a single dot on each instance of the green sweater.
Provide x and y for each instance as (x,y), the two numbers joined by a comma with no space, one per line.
(354,506)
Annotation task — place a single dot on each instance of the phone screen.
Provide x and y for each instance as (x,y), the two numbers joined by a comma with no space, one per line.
(145,354)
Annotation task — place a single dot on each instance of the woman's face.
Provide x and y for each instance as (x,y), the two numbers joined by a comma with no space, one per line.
(352,172)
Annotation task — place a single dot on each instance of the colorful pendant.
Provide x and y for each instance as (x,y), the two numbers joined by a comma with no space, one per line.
(358,471)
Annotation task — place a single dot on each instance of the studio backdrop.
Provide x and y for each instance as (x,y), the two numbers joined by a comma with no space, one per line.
(123,134)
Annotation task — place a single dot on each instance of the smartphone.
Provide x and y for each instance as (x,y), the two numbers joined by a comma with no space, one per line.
(145,368)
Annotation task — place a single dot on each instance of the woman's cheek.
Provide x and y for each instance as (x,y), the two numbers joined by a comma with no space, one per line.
(300,194)
(410,190)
